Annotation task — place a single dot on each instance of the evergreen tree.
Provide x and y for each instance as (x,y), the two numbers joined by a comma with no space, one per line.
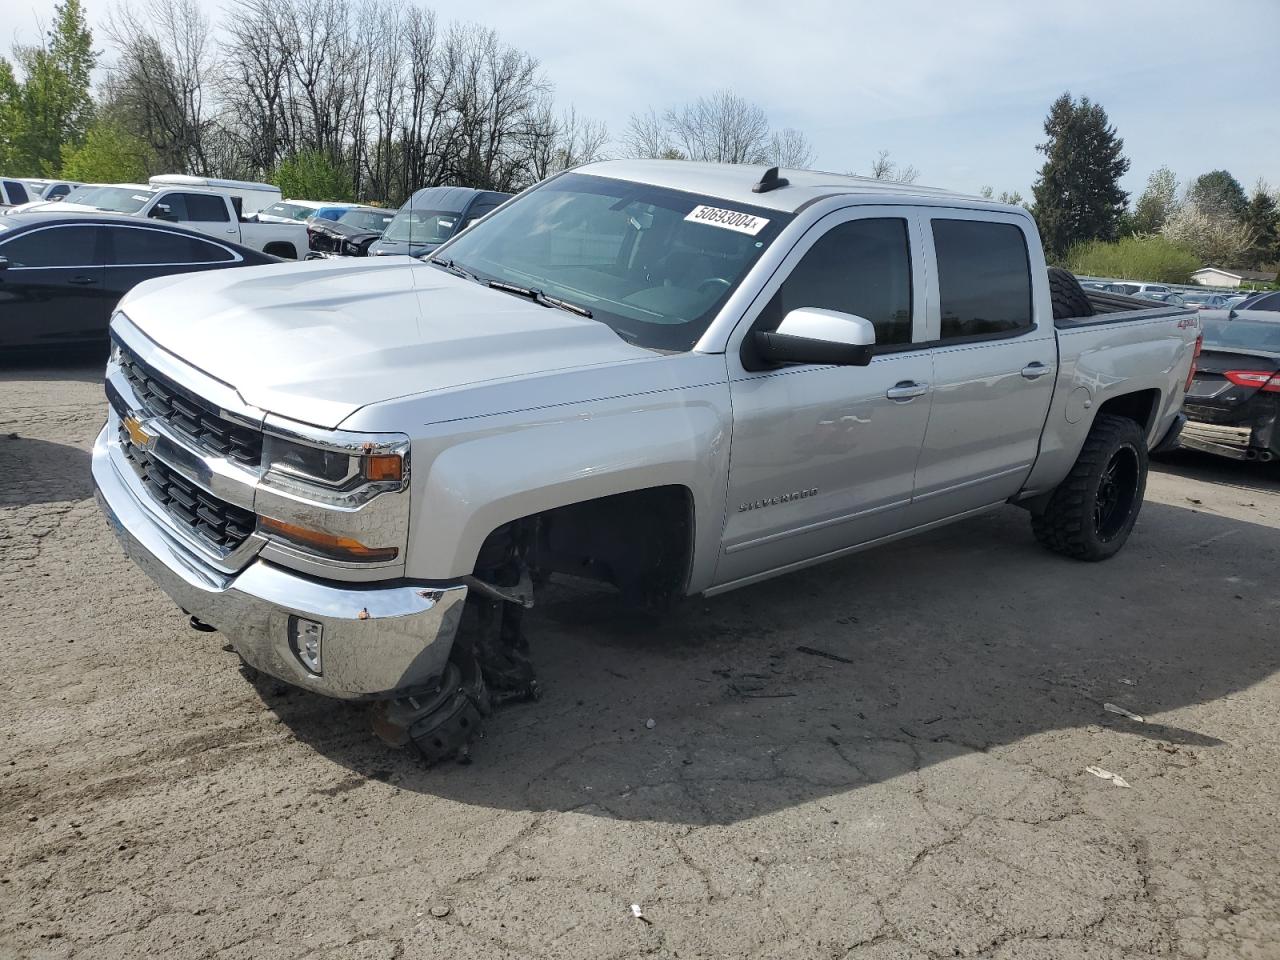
(1218,193)
(1156,204)
(1263,221)
(1078,195)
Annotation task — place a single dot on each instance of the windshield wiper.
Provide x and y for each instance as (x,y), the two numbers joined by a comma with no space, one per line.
(537,296)
(456,270)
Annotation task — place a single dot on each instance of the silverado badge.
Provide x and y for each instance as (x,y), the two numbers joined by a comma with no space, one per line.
(781,498)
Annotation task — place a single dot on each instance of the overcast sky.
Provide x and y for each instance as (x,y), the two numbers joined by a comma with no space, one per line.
(959,90)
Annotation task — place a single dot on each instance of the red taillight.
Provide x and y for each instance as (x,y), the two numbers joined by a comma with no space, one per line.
(1264,380)
(1195,355)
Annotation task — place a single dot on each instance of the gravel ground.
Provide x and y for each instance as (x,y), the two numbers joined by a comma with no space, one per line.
(928,797)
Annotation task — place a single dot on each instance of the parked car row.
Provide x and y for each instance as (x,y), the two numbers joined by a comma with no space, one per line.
(65,263)
(62,275)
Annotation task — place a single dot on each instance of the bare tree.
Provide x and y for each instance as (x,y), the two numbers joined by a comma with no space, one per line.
(158,82)
(646,137)
(253,77)
(721,128)
(789,148)
(372,90)
(882,168)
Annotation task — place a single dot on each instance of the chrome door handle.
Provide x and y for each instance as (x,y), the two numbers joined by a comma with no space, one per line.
(233,230)
(1034,371)
(906,390)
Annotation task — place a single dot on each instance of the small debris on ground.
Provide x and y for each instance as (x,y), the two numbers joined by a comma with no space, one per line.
(1128,683)
(815,652)
(1118,780)
(639,914)
(440,910)
(1195,500)
(650,723)
(1112,708)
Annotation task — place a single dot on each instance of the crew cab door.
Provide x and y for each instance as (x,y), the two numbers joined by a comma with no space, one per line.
(994,361)
(823,457)
(207,212)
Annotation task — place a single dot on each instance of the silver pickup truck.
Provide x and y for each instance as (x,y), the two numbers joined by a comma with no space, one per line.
(674,377)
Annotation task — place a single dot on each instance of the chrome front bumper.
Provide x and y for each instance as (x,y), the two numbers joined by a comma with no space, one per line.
(378,641)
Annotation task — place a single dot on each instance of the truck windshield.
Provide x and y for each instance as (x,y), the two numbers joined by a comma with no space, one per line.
(114,199)
(422,226)
(652,263)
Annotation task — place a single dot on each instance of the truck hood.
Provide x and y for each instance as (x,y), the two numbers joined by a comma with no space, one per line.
(317,341)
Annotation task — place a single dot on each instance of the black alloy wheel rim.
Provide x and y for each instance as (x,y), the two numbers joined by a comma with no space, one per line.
(1116,494)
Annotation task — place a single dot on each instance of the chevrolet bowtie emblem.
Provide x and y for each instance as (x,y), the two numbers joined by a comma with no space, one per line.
(137,432)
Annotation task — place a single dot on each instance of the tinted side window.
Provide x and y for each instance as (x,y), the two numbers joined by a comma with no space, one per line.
(861,267)
(203,208)
(16,191)
(1267,303)
(176,204)
(69,246)
(136,246)
(57,190)
(984,278)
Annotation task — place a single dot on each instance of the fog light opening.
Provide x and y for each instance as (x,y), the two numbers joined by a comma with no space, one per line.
(306,638)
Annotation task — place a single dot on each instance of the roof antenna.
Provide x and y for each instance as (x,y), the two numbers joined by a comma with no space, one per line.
(770,181)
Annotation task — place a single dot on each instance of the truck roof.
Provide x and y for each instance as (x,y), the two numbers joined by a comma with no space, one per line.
(734,181)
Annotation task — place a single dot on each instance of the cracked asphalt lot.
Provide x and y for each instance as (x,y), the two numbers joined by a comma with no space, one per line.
(927,798)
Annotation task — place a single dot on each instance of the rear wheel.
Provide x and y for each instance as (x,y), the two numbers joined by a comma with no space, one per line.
(1092,512)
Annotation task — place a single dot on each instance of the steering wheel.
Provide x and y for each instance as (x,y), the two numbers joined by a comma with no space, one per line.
(714,280)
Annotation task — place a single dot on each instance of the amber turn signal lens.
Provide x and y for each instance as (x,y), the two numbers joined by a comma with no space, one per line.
(383,466)
(327,544)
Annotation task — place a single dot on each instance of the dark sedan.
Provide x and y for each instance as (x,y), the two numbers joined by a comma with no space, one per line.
(348,236)
(1233,403)
(61,276)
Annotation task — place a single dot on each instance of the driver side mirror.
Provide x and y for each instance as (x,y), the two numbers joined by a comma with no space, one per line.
(814,335)
(161,211)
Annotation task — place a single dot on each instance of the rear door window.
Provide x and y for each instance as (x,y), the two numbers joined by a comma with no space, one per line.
(984,278)
(860,267)
(63,246)
(142,246)
(205,208)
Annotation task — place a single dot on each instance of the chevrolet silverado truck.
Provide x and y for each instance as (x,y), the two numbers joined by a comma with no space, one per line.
(216,212)
(676,378)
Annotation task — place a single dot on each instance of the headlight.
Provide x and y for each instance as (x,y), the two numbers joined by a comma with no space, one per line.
(333,467)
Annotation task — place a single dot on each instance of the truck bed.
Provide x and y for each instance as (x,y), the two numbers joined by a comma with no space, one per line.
(1116,308)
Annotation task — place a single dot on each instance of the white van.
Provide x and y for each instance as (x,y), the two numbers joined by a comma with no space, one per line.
(248,196)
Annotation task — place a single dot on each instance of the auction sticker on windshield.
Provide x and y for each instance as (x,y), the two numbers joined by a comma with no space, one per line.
(728,219)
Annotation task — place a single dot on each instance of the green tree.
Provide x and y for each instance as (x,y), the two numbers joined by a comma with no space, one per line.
(1078,195)
(314,175)
(10,118)
(1262,220)
(109,154)
(1218,193)
(1140,257)
(1156,204)
(54,104)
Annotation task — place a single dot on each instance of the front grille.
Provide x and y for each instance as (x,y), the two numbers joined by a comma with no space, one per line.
(213,520)
(196,418)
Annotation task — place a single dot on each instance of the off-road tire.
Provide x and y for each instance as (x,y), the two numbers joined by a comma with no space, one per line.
(1069,298)
(1076,521)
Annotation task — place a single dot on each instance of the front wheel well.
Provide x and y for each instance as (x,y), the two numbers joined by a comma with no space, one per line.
(640,542)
